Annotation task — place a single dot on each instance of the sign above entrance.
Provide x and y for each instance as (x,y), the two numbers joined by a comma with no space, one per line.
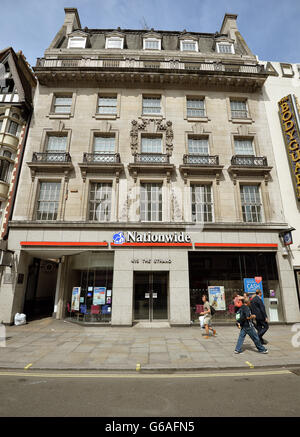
(133,238)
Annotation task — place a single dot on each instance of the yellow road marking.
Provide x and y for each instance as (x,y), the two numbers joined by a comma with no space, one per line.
(145,376)
(249,364)
(28,366)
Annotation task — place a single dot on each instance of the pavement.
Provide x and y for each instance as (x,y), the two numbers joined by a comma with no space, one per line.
(49,344)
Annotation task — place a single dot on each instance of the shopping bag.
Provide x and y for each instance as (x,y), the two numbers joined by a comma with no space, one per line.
(201,320)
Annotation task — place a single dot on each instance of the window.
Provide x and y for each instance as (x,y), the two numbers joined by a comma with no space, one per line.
(48,201)
(152,44)
(1,124)
(56,144)
(62,105)
(14,128)
(191,46)
(195,108)
(238,109)
(114,43)
(225,48)
(151,145)
(4,169)
(107,105)
(104,144)
(151,105)
(202,203)
(243,147)
(76,42)
(198,146)
(251,204)
(151,202)
(100,201)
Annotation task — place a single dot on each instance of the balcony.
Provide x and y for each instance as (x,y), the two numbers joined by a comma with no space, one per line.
(53,162)
(101,163)
(151,163)
(194,164)
(157,70)
(249,165)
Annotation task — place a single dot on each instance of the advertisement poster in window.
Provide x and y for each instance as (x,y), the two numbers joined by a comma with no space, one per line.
(216,296)
(75,298)
(253,284)
(99,296)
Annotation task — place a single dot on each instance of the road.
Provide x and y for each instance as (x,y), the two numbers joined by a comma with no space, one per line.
(251,393)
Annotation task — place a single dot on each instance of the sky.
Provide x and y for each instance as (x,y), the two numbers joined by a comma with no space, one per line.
(269,27)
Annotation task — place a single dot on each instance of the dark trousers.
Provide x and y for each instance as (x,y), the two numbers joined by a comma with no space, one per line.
(261,326)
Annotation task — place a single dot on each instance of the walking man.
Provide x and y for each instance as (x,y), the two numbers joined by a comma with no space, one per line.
(207,317)
(246,326)
(261,320)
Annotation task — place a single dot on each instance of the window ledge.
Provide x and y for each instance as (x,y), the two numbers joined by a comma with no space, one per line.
(105,116)
(202,119)
(242,120)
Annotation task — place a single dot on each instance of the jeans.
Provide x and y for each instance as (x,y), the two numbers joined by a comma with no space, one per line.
(254,337)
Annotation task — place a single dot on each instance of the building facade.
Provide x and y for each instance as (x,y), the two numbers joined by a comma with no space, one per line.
(17,84)
(149,179)
(281,95)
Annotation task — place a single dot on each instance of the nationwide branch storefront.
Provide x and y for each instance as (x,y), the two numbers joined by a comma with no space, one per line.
(120,278)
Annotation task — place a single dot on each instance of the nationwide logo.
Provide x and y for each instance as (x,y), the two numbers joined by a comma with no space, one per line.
(149,237)
(119,238)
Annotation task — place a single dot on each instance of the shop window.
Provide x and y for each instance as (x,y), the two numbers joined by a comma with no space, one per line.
(48,201)
(91,285)
(107,105)
(152,105)
(151,202)
(100,202)
(201,203)
(251,203)
(195,108)
(198,146)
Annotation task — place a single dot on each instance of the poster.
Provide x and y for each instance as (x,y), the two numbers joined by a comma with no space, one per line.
(99,296)
(217,297)
(75,298)
(253,284)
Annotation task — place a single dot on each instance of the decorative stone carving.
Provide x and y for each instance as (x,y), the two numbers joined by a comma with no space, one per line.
(151,125)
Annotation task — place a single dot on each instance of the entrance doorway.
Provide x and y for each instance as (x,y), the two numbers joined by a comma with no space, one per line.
(151,296)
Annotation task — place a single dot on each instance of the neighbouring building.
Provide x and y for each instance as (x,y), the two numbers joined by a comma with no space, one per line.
(17,84)
(281,94)
(148,179)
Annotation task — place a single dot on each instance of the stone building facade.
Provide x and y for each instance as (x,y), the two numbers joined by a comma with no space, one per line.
(149,179)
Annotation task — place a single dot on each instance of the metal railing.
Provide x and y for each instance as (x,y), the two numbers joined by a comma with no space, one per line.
(151,158)
(101,158)
(200,160)
(149,64)
(249,161)
(51,157)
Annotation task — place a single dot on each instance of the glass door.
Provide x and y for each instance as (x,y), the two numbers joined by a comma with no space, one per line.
(151,296)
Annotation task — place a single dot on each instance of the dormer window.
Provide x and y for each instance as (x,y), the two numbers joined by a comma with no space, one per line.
(189,46)
(151,44)
(225,47)
(77,42)
(114,42)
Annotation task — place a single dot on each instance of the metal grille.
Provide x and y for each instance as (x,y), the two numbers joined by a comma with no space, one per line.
(151,158)
(202,203)
(249,161)
(100,202)
(195,159)
(151,202)
(251,203)
(51,157)
(48,202)
(109,158)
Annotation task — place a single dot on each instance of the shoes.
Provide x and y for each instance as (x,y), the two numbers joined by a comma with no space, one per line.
(206,336)
(214,332)
(237,352)
(264,352)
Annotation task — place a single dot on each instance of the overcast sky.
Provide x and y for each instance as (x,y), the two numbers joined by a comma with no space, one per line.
(270,27)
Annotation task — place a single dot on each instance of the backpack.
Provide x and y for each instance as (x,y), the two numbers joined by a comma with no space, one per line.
(212,310)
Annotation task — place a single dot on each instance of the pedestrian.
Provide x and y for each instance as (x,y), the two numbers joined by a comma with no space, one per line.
(261,319)
(237,302)
(246,327)
(207,317)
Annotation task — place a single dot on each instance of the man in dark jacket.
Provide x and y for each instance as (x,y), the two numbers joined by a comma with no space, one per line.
(261,319)
(246,326)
